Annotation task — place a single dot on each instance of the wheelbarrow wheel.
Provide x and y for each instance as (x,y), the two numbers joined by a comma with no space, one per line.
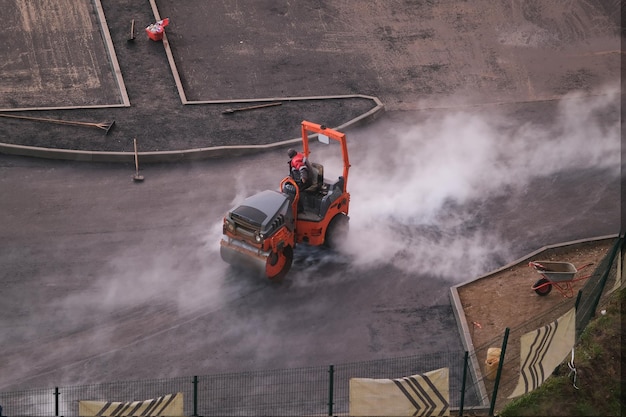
(542,287)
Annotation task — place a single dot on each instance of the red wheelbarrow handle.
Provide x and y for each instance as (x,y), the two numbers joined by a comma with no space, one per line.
(584,266)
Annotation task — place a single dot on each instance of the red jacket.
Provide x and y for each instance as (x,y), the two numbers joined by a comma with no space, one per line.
(297,161)
(300,169)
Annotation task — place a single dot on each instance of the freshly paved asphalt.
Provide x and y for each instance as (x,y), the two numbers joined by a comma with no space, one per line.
(104,279)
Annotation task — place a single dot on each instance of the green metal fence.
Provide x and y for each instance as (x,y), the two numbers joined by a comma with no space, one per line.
(322,390)
(593,290)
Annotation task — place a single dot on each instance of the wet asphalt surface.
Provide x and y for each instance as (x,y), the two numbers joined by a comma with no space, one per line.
(104,279)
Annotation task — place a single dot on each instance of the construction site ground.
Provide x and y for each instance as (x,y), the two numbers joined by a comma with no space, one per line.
(322,61)
(411,55)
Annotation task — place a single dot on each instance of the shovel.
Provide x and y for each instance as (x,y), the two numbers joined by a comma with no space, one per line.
(104,126)
(231,111)
(132,31)
(136,177)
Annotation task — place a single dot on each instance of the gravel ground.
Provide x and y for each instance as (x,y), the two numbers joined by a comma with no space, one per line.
(412,55)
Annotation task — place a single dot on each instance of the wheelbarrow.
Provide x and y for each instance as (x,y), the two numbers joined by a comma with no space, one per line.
(557,274)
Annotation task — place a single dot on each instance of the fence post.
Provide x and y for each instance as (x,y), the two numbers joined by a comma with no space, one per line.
(56,401)
(331,388)
(580,293)
(498,374)
(605,277)
(577,320)
(463,384)
(195,396)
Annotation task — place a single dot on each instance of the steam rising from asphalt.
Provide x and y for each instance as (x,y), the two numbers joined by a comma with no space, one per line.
(417,188)
(171,277)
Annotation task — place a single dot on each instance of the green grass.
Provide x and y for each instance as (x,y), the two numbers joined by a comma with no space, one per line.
(598,356)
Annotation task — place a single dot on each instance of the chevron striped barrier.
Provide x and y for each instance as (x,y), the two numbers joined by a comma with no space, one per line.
(169,405)
(417,395)
(542,350)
